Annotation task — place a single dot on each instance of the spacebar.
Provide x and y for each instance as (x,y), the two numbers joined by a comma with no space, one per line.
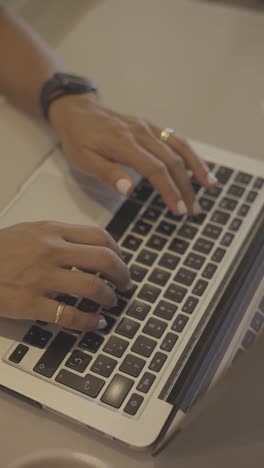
(55,354)
(123,218)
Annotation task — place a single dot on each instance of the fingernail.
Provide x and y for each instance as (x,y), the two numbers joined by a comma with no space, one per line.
(211,178)
(182,208)
(196,208)
(101,324)
(130,285)
(123,186)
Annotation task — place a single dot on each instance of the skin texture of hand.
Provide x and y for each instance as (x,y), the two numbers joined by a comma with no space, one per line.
(36,261)
(94,139)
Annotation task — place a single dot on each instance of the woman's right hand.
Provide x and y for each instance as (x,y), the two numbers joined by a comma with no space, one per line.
(36,261)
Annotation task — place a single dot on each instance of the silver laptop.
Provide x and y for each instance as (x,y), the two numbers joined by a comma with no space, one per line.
(197,301)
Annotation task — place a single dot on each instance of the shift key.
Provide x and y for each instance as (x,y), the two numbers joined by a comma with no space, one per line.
(54,355)
(117,391)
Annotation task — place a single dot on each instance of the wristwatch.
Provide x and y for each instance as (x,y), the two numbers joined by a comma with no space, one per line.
(63,84)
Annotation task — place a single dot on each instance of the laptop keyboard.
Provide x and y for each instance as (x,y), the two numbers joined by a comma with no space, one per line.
(172,261)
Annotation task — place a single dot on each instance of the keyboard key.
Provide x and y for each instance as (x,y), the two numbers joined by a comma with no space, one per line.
(243,178)
(195,185)
(206,204)
(133,404)
(169,261)
(214,192)
(200,287)
(227,239)
(138,309)
(138,273)
(158,202)
(142,228)
(146,257)
(154,327)
(66,299)
(146,382)
(78,361)
(116,346)
(218,255)
(194,261)
(209,271)
(251,196)
(257,322)
(180,323)
(86,305)
(212,231)
(110,321)
(223,174)
(235,224)
(198,219)
(185,276)
(54,355)
(142,192)
(132,243)
(38,337)
(104,365)
(190,304)
(123,218)
(132,365)
(187,231)
(175,293)
(248,339)
(210,165)
(159,277)
(228,204)
(149,293)
(126,256)
(220,217)
(166,228)
(243,210)
(89,385)
(173,217)
(151,214)
(236,191)
(119,308)
(144,346)
(91,342)
(165,310)
(179,246)
(169,342)
(203,245)
(18,354)
(261,305)
(157,362)
(117,391)
(156,242)
(127,328)
(258,184)
(129,293)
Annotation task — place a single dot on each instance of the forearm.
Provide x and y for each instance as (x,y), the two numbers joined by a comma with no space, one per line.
(26,62)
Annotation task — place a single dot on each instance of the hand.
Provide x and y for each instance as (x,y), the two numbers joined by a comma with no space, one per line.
(36,261)
(95,138)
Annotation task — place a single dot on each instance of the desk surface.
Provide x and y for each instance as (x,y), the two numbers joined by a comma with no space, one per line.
(181,63)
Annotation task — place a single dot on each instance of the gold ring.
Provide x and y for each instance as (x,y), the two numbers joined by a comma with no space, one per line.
(59,312)
(165,133)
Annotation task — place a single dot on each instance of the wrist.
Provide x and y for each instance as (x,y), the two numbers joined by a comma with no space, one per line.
(61,108)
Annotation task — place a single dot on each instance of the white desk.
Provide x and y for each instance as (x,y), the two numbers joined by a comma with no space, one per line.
(179,63)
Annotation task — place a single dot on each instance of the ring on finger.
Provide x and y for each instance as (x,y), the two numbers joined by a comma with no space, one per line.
(166,132)
(59,312)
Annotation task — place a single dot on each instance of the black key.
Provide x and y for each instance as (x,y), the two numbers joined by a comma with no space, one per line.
(116,346)
(146,382)
(104,365)
(138,273)
(213,191)
(66,299)
(129,293)
(142,228)
(210,165)
(156,242)
(133,404)
(248,339)
(180,323)
(41,323)
(132,365)
(54,355)
(190,304)
(198,219)
(236,191)
(169,342)
(251,196)
(119,308)
(165,310)
(138,310)
(227,239)
(127,328)
(91,342)
(195,185)
(243,210)
(223,174)
(126,256)
(166,228)
(194,260)
(258,184)
(175,293)
(179,245)
(187,231)
(212,231)
(159,277)
(169,261)
(117,391)
(235,224)
(200,287)
(110,321)
(18,354)
(151,214)
(146,257)
(89,385)
(86,305)
(154,327)
(185,276)
(144,346)
(243,178)
(78,361)
(158,202)
(142,192)
(38,337)
(206,203)
(149,293)
(173,216)
(209,271)
(203,245)
(228,204)
(261,305)
(132,243)
(123,218)
(218,255)
(220,217)
(257,322)
(157,362)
